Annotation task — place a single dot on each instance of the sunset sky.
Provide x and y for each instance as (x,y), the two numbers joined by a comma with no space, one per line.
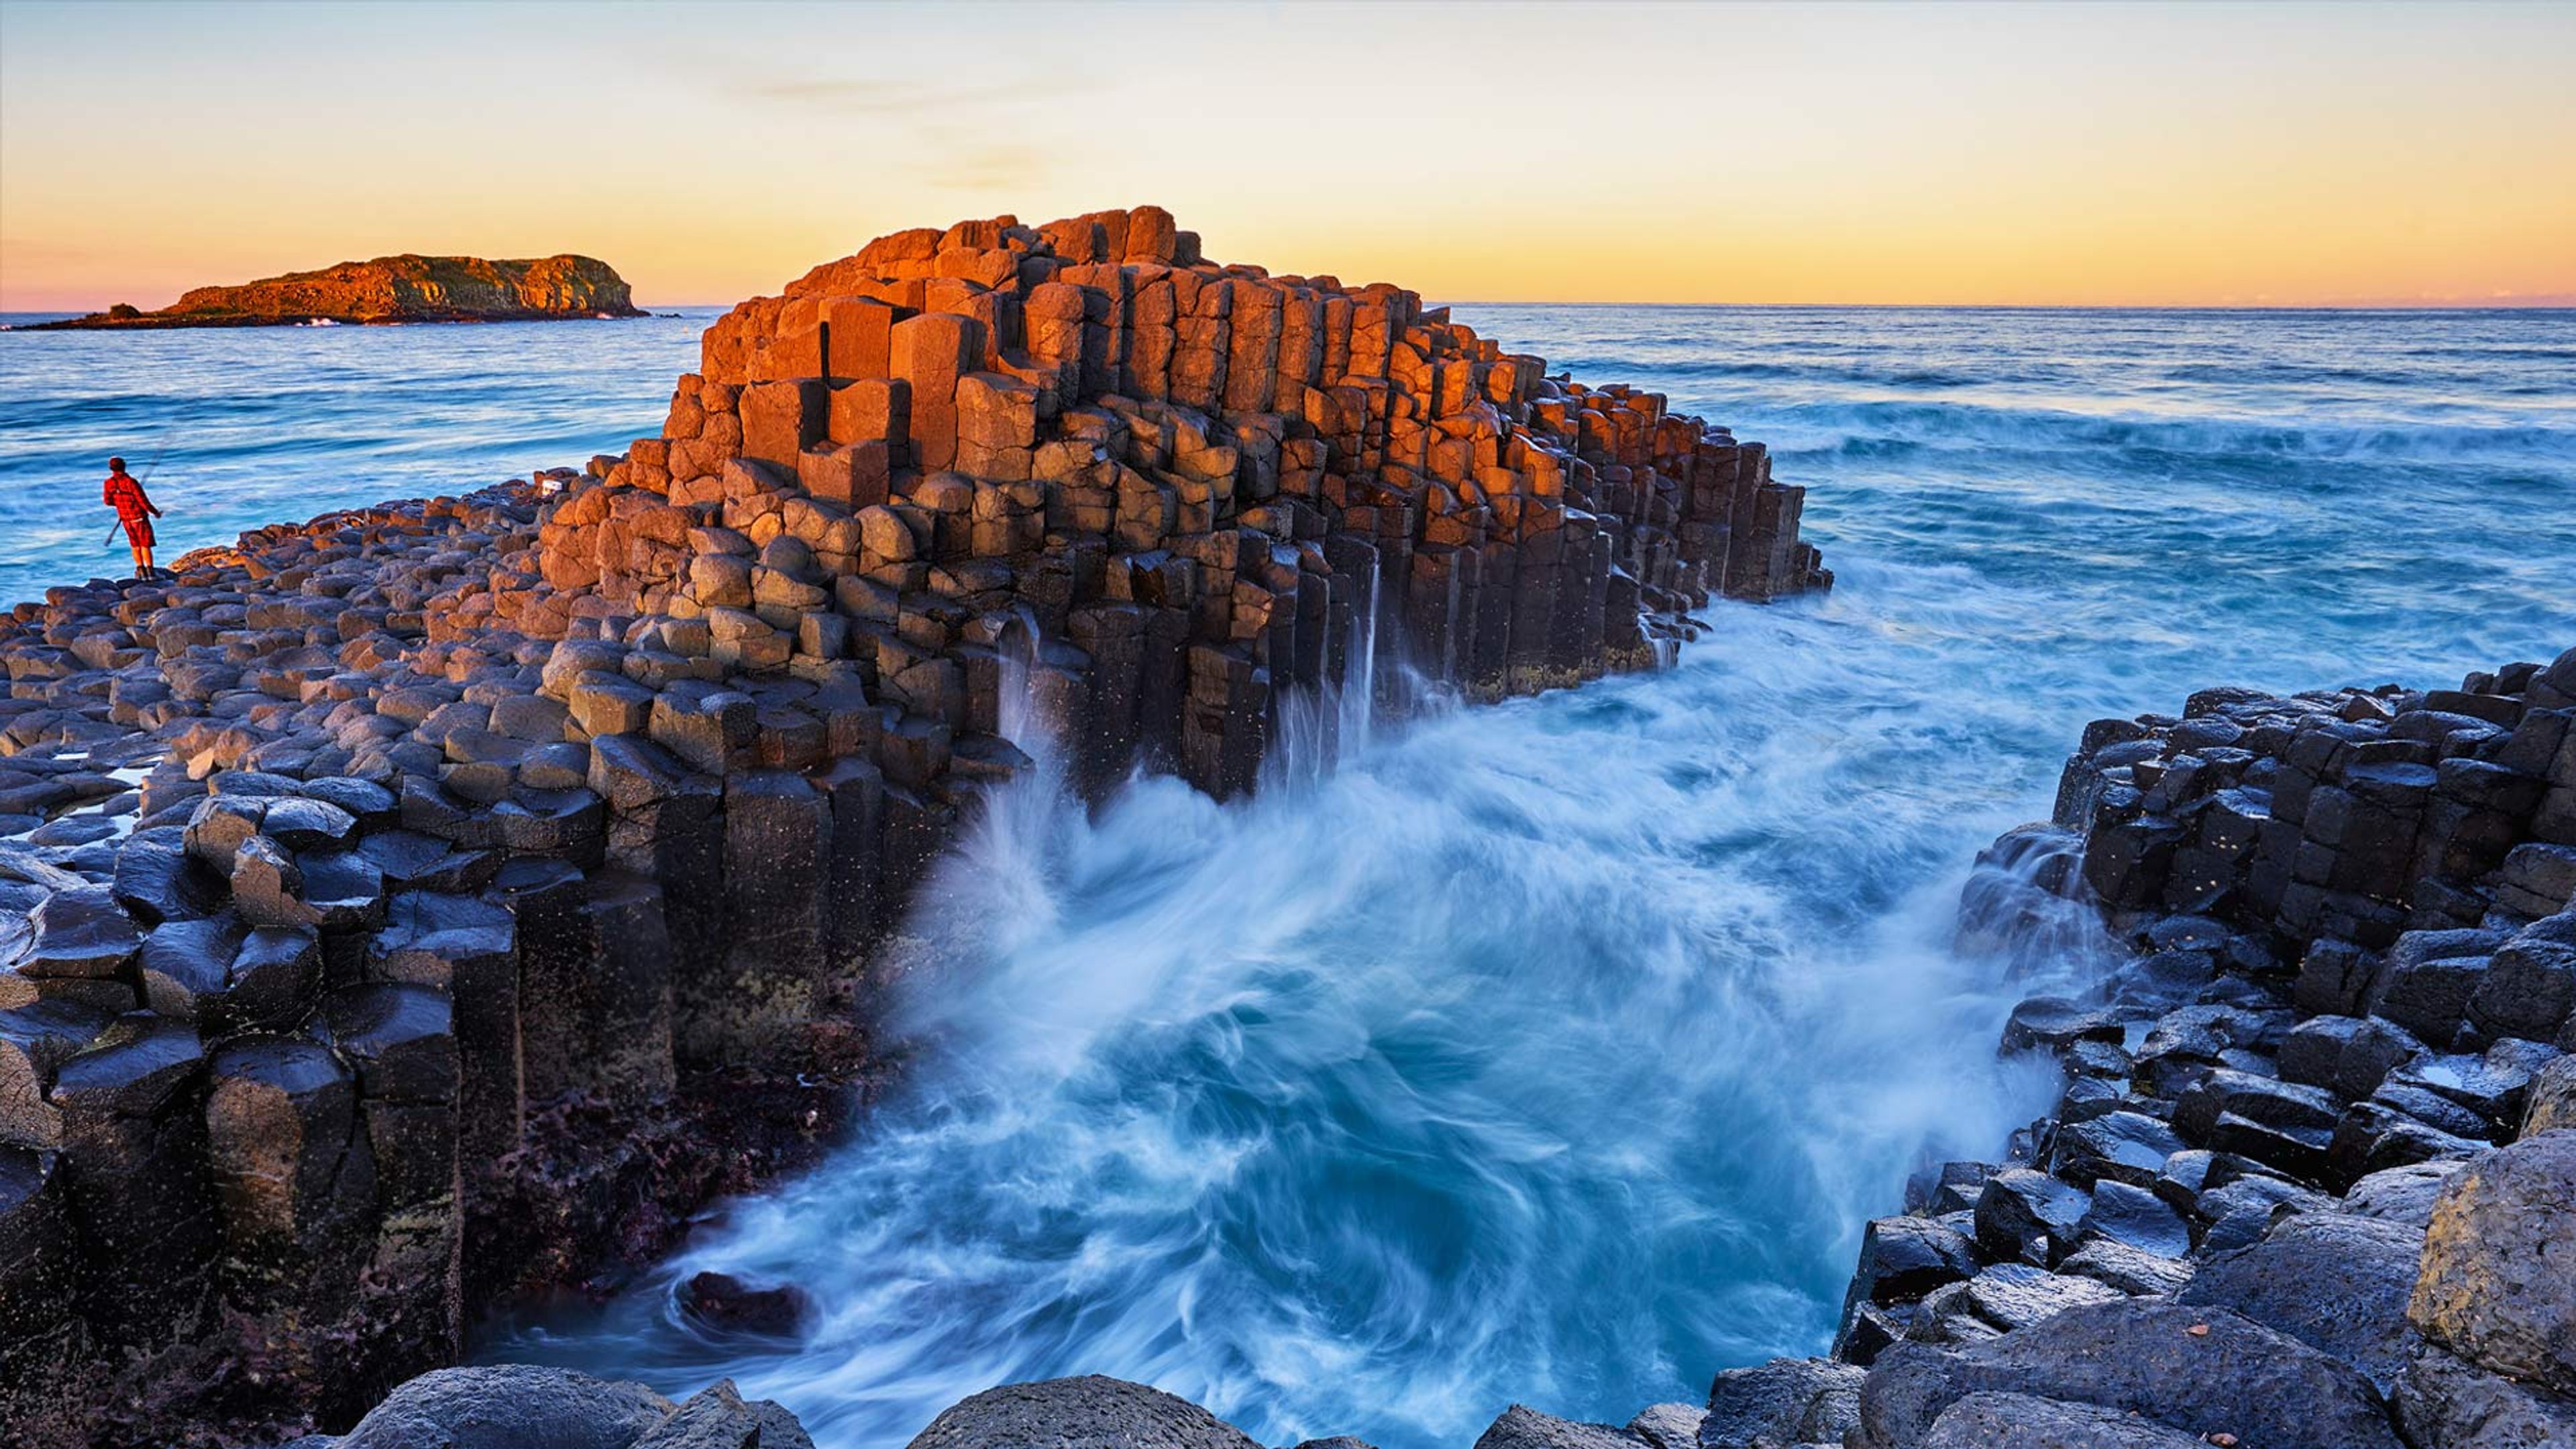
(2094,154)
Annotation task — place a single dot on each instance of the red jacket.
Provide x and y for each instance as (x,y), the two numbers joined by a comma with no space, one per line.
(123,494)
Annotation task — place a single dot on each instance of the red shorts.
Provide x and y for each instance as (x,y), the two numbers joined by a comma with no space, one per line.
(138,530)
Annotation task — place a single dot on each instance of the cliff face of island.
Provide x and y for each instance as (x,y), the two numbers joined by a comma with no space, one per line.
(394,289)
(438,901)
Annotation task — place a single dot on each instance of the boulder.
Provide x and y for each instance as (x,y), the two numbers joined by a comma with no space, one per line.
(2549,1104)
(2199,1370)
(2017,1295)
(1903,1258)
(2131,1270)
(2135,1217)
(1522,1427)
(2444,1403)
(2030,1216)
(510,1406)
(2498,1285)
(80,933)
(2403,1194)
(1662,1426)
(1090,1412)
(1782,1402)
(2335,1282)
(2022,1421)
(727,1304)
(719,1418)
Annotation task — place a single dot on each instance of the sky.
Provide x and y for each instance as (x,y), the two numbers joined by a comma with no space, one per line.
(2255,154)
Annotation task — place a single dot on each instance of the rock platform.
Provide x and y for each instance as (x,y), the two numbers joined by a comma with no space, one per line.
(439,901)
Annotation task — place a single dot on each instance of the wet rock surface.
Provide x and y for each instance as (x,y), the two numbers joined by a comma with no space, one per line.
(513,1406)
(1080,1413)
(440,900)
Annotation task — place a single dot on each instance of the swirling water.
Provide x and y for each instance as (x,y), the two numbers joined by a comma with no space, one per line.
(1556,1051)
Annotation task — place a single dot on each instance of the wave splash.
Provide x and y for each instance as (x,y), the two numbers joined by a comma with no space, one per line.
(1513,1058)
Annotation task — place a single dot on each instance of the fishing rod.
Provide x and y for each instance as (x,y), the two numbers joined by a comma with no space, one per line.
(160,449)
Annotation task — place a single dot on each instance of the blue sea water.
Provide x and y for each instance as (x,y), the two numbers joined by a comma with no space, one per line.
(238,427)
(1555,1052)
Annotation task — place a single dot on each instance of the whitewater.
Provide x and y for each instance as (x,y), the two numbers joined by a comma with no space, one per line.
(1556,1051)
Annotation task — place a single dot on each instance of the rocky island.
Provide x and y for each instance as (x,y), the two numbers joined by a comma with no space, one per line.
(387,290)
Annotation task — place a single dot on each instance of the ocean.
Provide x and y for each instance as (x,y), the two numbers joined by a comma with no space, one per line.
(1553,1052)
(233,428)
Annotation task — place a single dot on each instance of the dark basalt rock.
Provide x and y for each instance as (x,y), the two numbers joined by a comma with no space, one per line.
(2402,1194)
(80,933)
(2550,1103)
(2498,1285)
(1662,1426)
(2124,1146)
(1903,1258)
(511,1406)
(2030,1216)
(2335,1282)
(1785,1401)
(2016,1295)
(1522,1427)
(720,1418)
(35,1040)
(2131,1270)
(1982,1421)
(2445,1403)
(133,1069)
(727,1304)
(2141,1356)
(1104,1413)
(2136,1218)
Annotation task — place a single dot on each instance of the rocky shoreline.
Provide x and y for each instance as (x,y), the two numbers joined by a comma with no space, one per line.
(438,902)
(442,900)
(2310,1184)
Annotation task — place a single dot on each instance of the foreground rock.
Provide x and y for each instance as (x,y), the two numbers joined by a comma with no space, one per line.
(2198,1370)
(1080,1413)
(2499,1280)
(441,900)
(391,289)
(518,1407)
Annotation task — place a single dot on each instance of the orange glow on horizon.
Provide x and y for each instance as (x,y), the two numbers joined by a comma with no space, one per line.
(2098,155)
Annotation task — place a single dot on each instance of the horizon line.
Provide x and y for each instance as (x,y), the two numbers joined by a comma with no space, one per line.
(2545,302)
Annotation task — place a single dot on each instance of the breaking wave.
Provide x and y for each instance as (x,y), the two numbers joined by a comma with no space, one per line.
(1557,1051)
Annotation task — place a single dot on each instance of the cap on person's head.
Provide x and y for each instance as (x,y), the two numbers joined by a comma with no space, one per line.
(116,465)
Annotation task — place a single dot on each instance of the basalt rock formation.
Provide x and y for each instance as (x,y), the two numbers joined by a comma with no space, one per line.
(393,289)
(442,899)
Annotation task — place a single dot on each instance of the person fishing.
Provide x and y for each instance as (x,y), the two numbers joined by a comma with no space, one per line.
(134,512)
